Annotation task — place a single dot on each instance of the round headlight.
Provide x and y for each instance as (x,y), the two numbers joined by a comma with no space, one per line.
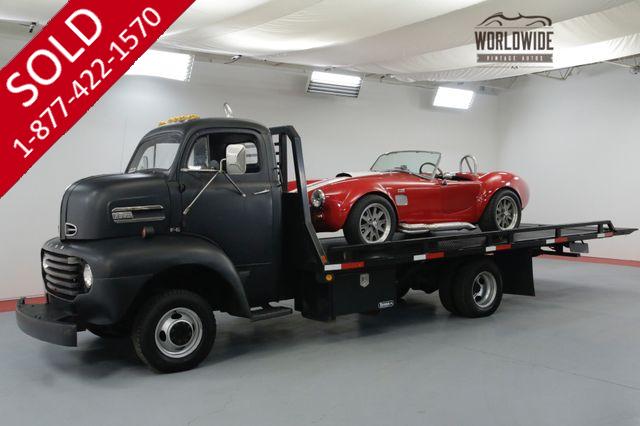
(317,198)
(87,274)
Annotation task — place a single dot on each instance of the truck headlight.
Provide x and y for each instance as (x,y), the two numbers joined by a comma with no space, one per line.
(87,274)
(317,198)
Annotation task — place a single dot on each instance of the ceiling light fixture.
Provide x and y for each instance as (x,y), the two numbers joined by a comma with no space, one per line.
(163,64)
(448,97)
(334,84)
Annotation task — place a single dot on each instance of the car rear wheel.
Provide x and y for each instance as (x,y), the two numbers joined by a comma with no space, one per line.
(503,212)
(372,220)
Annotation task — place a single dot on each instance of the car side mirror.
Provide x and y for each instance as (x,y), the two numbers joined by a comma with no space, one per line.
(236,159)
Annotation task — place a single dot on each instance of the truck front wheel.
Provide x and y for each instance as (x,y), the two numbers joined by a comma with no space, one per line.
(174,331)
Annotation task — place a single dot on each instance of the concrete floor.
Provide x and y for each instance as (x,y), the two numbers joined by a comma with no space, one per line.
(570,356)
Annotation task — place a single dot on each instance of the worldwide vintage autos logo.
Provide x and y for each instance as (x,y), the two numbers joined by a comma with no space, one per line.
(502,40)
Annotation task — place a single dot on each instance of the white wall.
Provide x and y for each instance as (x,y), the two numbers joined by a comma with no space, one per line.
(338,134)
(577,144)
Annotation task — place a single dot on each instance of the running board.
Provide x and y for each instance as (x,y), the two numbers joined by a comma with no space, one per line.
(268,312)
(421,228)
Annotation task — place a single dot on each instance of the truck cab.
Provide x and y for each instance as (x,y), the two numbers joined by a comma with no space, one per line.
(198,210)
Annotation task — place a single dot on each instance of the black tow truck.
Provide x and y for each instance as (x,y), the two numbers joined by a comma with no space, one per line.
(202,221)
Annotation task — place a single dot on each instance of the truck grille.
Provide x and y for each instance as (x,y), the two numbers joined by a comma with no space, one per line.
(62,275)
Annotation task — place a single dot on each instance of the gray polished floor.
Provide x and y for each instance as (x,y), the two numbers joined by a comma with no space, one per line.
(570,356)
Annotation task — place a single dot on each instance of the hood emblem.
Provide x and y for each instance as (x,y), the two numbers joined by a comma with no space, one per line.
(70,229)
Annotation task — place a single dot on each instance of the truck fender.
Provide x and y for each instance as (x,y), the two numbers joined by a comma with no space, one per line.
(192,250)
(135,259)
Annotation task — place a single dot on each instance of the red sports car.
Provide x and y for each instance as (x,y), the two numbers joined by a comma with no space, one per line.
(405,191)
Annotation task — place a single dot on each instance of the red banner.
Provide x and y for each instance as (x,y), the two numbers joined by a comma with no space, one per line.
(67,68)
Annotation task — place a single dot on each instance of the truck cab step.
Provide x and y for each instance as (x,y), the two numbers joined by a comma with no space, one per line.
(268,312)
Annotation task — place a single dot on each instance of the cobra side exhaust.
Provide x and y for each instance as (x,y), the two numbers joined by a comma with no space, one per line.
(422,228)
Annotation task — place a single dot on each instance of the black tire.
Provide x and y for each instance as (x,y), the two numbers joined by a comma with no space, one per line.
(352,226)
(108,331)
(445,289)
(488,220)
(469,281)
(152,312)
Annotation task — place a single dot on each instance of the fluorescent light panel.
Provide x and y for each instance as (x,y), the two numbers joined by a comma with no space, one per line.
(334,84)
(448,97)
(159,63)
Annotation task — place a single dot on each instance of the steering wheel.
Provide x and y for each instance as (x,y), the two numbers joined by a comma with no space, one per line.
(436,170)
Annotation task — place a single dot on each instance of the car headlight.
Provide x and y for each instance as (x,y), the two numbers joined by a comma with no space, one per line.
(317,198)
(87,274)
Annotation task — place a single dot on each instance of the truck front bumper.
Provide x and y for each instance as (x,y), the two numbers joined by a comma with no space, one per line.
(47,322)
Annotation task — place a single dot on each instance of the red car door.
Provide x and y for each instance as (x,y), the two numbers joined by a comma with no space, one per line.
(460,199)
(423,201)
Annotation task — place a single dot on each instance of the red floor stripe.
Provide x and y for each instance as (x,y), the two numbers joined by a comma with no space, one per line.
(10,305)
(590,259)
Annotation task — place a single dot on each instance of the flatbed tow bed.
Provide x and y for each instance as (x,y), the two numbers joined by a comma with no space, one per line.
(358,276)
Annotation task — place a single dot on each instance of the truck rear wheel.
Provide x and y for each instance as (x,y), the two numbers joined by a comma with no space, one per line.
(174,331)
(477,288)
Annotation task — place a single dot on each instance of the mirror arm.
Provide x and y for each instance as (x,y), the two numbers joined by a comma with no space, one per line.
(195,199)
(234,185)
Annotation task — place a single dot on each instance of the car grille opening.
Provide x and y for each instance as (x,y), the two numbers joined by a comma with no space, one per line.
(62,275)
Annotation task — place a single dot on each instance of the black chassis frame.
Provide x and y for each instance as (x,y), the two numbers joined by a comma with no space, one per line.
(326,279)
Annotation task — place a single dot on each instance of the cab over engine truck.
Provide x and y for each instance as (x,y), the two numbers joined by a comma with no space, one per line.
(202,221)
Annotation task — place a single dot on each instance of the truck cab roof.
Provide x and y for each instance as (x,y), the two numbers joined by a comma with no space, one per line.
(194,125)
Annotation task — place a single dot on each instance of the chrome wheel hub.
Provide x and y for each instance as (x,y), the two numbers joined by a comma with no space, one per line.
(484,289)
(375,223)
(506,213)
(178,333)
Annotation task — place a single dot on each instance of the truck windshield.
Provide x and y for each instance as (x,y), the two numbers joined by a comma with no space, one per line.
(155,153)
(417,162)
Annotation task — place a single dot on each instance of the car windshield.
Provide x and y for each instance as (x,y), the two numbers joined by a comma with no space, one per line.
(417,162)
(157,152)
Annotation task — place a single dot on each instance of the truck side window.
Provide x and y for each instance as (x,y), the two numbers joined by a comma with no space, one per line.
(199,157)
(209,150)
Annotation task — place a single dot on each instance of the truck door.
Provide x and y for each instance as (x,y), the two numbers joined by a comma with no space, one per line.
(243,226)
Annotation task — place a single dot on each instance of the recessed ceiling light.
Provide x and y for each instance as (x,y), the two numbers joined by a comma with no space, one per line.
(334,84)
(448,97)
(159,63)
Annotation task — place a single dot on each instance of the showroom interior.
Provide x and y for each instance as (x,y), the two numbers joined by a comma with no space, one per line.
(569,128)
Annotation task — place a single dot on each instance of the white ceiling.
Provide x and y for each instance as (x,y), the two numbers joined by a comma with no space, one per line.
(415,40)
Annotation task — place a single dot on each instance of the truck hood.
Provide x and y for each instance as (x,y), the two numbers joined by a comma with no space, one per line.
(139,199)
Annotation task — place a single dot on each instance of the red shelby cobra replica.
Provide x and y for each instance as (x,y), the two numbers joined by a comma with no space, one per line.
(405,191)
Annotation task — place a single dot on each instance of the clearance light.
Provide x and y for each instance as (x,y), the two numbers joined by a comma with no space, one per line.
(158,63)
(453,98)
(179,119)
(334,84)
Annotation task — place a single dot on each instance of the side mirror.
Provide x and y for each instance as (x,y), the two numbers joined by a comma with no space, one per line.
(236,159)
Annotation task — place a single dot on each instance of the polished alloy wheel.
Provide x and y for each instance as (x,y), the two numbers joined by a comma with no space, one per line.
(178,333)
(506,213)
(375,223)
(484,289)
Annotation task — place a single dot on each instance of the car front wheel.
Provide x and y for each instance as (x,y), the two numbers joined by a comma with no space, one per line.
(372,220)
